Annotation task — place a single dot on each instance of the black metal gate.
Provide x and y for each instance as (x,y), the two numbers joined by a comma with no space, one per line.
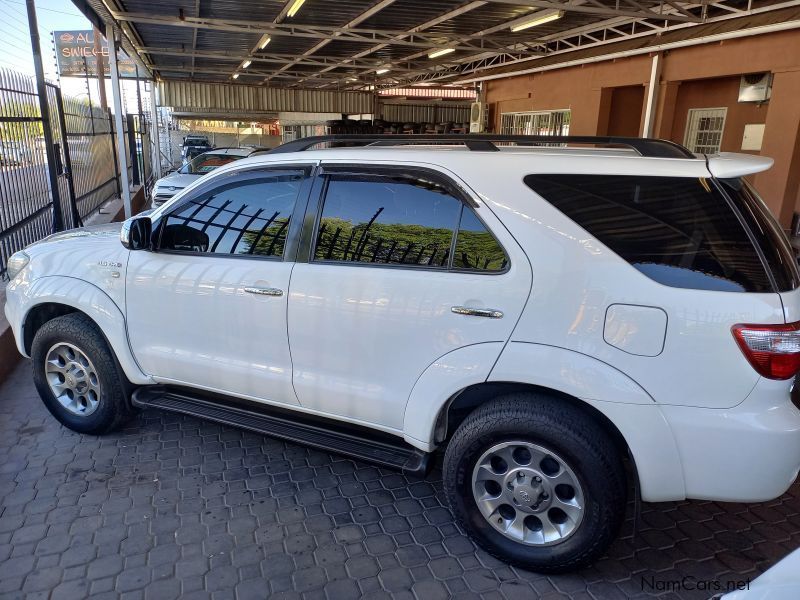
(86,173)
(26,206)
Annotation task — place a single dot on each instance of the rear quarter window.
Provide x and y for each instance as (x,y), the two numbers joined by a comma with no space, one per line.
(678,231)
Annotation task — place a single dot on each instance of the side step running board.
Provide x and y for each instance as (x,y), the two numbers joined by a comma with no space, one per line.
(287,425)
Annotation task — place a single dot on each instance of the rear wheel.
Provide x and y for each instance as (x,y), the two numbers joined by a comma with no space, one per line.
(536,482)
(77,375)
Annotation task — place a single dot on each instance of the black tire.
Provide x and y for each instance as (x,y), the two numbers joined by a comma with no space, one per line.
(113,405)
(563,429)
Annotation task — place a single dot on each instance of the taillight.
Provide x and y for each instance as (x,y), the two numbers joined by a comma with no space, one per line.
(773,350)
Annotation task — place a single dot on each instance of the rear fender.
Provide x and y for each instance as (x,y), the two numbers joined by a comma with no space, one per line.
(624,402)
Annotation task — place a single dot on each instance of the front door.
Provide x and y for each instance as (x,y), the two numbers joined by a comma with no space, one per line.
(402,270)
(207,308)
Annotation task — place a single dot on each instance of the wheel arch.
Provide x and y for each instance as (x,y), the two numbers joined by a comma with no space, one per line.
(465,401)
(52,297)
(615,401)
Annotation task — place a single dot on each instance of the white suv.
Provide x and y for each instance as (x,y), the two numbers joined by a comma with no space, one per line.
(560,321)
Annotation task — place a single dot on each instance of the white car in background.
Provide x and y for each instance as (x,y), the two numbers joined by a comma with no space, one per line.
(166,187)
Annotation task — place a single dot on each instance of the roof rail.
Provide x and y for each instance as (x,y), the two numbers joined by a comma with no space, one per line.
(485,142)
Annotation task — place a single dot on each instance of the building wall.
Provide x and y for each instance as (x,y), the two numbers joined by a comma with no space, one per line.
(717,93)
(625,111)
(600,96)
(585,90)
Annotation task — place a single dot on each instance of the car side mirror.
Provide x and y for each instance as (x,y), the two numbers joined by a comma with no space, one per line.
(135,233)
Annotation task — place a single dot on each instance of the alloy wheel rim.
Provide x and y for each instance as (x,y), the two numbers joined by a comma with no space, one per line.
(528,493)
(72,379)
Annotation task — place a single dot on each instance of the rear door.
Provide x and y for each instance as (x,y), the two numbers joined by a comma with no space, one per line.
(402,267)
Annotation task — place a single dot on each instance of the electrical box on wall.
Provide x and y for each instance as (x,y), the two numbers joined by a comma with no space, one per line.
(755,87)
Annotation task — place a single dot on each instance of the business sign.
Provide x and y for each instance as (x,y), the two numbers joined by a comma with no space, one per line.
(77,57)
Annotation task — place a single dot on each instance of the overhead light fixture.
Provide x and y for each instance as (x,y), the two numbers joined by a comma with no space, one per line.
(236,76)
(442,52)
(352,79)
(538,18)
(295,7)
(382,70)
(247,63)
(265,39)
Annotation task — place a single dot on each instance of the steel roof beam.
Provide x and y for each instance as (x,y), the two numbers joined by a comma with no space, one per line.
(480,65)
(596,8)
(414,30)
(280,59)
(357,20)
(318,32)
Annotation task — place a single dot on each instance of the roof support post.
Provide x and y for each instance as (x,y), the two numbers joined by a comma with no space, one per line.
(116,92)
(44,109)
(155,134)
(652,96)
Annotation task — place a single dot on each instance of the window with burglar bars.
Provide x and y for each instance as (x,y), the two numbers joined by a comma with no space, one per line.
(552,122)
(249,217)
(704,127)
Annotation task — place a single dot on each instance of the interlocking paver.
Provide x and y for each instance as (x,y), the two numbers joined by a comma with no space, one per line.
(173,507)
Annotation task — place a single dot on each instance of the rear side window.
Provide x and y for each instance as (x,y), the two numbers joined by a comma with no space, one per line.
(476,248)
(679,231)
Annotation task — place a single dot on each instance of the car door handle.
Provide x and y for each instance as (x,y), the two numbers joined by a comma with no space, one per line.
(264,291)
(489,313)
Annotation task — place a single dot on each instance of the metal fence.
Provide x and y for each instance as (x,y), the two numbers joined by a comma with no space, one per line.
(92,153)
(86,168)
(26,204)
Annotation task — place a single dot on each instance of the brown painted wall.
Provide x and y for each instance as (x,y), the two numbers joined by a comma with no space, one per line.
(703,76)
(579,89)
(717,93)
(625,114)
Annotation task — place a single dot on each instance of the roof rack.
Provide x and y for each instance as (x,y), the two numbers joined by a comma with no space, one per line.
(486,142)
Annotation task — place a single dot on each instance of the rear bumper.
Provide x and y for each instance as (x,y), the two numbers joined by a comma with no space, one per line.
(749,453)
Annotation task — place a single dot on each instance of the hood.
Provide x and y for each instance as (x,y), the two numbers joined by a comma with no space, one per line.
(91,254)
(176,180)
(110,230)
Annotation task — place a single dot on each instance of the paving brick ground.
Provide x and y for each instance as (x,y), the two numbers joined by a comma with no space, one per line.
(175,507)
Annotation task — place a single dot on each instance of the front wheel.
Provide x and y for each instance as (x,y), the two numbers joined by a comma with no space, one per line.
(536,482)
(77,375)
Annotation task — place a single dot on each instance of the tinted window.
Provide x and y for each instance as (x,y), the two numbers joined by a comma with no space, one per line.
(476,248)
(249,217)
(401,220)
(205,162)
(678,231)
(771,239)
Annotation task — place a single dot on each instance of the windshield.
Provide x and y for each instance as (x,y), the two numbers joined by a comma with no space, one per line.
(205,163)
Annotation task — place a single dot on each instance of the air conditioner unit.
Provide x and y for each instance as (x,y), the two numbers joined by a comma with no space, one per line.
(476,117)
(755,87)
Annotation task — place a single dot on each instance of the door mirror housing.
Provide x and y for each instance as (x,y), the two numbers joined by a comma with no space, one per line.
(135,233)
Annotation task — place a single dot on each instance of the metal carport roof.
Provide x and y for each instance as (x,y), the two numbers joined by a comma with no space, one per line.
(347,44)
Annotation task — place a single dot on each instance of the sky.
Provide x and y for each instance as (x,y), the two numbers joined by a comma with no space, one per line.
(52,15)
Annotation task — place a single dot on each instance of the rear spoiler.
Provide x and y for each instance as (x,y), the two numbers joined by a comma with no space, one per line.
(726,165)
